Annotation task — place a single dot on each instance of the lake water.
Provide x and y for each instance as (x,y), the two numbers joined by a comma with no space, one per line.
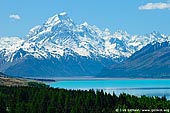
(150,87)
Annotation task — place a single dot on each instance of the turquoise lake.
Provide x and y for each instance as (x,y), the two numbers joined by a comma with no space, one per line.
(150,87)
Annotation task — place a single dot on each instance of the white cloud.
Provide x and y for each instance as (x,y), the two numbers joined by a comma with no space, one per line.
(15,17)
(151,6)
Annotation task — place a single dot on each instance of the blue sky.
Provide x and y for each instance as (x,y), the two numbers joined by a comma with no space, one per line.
(133,16)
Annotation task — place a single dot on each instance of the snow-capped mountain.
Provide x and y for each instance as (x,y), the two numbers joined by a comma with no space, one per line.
(60,47)
(8,47)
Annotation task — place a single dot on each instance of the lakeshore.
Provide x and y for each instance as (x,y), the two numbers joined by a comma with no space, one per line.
(138,87)
(75,78)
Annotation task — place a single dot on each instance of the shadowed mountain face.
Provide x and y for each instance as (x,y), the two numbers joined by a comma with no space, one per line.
(71,66)
(152,61)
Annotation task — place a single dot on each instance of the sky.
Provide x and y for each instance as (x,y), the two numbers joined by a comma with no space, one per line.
(140,17)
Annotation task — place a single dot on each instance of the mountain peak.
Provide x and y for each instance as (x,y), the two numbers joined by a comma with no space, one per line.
(56,19)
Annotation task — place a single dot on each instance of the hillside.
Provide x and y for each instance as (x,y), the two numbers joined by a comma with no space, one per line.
(15,81)
(11,81)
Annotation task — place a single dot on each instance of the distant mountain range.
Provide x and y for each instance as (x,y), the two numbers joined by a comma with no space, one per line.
(59,47)
(152,61)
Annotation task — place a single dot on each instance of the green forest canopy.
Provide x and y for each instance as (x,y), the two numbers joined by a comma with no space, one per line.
(54,100)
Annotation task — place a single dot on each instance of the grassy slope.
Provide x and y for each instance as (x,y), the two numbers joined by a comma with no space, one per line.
(12,81)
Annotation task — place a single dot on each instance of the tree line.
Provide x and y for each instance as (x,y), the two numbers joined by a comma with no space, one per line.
(54,100)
